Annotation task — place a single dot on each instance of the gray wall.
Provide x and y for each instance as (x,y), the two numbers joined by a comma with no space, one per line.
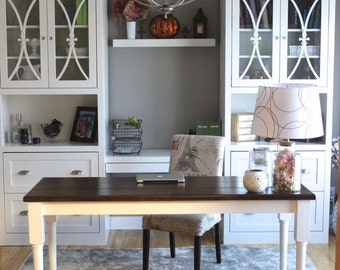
(168,88)
(336,100)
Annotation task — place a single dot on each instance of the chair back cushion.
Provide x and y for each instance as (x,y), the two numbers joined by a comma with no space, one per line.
(197,155)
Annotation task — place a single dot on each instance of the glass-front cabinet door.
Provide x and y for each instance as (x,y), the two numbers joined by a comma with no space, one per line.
(48,43)
(279,41)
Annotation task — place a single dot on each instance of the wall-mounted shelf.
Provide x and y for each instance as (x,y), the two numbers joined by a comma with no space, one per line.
(186,42)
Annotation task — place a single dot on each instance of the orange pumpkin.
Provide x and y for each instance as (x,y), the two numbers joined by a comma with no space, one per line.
(164,28)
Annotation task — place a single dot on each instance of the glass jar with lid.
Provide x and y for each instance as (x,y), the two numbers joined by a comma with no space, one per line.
(286,168)
(260,158)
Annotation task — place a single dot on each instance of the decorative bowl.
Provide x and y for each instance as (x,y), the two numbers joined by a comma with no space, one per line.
(53,129)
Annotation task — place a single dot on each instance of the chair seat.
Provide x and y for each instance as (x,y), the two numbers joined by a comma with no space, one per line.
(189,224)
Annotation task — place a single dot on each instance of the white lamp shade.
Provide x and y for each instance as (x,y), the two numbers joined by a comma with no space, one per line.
(288,111)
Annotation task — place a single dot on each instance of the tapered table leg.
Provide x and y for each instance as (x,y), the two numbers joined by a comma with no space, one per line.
(284,224)
(52,241)
(36,233)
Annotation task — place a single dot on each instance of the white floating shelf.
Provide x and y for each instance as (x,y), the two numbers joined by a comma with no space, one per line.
(185,42)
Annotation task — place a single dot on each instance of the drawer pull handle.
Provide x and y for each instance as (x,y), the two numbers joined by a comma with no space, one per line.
(77,172)
(23,213)
(25,172)
(305,171)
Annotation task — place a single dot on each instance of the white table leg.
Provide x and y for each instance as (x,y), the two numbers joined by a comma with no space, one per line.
(36,233)
(52,241)
(284,224)
(301,255)
(302,233)
(38,261)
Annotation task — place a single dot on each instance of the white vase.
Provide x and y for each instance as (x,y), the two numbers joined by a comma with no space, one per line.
(131,29)
(255,180)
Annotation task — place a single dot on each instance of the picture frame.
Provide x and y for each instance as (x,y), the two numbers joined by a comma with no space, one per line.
(85,125)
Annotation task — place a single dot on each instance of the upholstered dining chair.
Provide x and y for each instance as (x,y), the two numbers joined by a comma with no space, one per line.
(191,155)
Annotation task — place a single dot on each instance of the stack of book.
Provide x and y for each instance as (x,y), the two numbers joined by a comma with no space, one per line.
(251,9)
(241,127)
(251,12)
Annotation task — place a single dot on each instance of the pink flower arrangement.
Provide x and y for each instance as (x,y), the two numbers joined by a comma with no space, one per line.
(128,10)
(284,170)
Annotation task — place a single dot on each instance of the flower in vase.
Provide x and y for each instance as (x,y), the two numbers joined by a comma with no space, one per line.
(128,10)
(284,170)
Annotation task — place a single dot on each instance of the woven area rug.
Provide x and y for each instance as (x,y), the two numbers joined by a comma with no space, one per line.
(233,257)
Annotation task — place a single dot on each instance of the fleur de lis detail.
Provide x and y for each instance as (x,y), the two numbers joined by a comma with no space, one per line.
(256,39)
(71,40)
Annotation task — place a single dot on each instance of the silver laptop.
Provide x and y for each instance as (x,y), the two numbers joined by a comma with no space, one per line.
(160,177)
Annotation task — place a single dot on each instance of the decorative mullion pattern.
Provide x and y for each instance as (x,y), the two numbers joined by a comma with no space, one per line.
(23,40)
(256,39)
(71,40)
(304,39)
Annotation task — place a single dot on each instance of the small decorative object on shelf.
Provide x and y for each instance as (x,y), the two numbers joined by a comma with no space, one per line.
(164,28)
(255,180)
(34,44)
(85,125)
(130,11)
(200,25)
(16,130)
(131,29)
(287,168)
(53,129)
(127,136)
(209,127)
(186,31)
(141,32)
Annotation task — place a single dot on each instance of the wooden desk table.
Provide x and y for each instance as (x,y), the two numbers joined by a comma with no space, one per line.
(122,196)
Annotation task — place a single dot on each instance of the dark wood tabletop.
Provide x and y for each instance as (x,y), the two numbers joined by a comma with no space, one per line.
(126,189)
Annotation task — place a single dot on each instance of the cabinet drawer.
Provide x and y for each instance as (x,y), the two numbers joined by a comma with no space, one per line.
(136,167)
(23,170)
(17,221)
(312,175)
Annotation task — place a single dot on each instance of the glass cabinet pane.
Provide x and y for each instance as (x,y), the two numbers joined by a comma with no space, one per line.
(304,36)
(23,58)
(71,33)
(254,35)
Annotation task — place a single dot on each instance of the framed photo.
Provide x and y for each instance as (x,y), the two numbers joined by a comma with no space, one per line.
(85,125)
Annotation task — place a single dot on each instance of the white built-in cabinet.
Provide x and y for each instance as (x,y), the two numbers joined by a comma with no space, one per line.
(282,41)
(286,43)
(267,42)
(53,59)
(49,44)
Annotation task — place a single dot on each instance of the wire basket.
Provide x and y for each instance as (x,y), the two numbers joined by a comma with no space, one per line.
(126,139)
(126,147)
(122,131)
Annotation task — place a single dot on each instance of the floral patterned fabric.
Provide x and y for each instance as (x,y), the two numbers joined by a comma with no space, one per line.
(197,155)
(191,155)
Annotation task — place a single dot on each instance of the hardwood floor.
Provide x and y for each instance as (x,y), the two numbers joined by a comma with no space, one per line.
(322,256)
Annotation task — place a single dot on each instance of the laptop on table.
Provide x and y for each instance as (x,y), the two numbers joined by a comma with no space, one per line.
(160,178)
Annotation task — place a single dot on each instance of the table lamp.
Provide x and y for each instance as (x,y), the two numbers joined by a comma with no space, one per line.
(285,112)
